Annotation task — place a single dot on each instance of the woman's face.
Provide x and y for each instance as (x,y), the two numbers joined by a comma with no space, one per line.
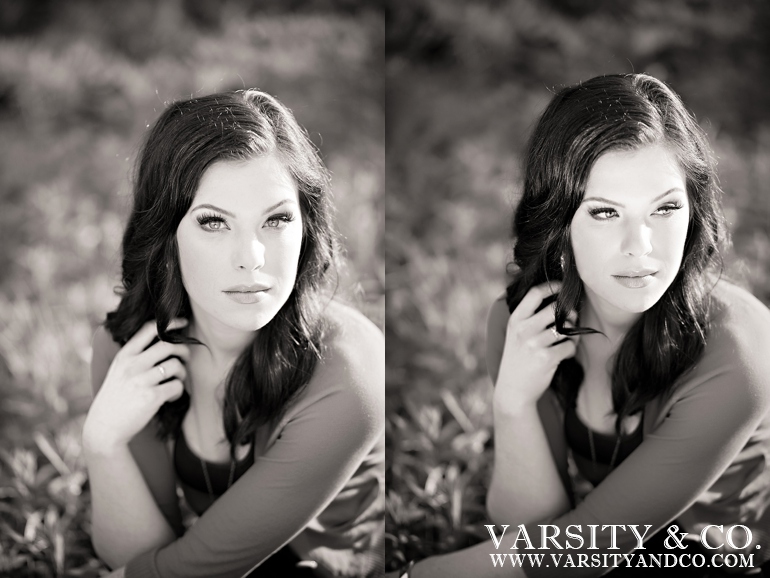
(629,232)
(239,243)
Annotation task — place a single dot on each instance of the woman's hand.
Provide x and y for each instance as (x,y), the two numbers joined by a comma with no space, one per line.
(132,392)
(532,351)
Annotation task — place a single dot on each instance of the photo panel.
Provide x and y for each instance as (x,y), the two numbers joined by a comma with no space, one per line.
(466,85)
(111,139)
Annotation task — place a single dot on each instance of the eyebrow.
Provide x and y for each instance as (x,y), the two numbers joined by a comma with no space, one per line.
(229,214)
(603,200)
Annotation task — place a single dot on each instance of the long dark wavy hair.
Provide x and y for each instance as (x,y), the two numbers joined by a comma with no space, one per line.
(188,137)
(582,122)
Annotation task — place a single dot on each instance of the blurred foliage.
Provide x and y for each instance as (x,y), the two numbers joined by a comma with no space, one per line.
(80,81)
(465,83)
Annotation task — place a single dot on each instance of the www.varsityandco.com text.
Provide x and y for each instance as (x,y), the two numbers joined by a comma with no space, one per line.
(578,537)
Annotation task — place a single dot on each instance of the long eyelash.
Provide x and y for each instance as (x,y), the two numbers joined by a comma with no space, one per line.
(286,217)
(600,210)
(205,218)
(675,206)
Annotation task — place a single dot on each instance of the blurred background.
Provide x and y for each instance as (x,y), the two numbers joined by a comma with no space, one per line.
(80,82)
(465,83)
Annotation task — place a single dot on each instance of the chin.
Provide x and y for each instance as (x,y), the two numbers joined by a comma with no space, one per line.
(254,322)
(635,303)
(246,318)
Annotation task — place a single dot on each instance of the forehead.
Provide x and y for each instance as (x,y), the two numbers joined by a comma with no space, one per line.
(256,182)
(635,174)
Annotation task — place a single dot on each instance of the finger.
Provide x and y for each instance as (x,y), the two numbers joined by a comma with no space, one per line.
(543,318)
(565,349)
(534,297)
(532,327)
(547,337)
(142,338)
(550,336)
(171,368)
(177,323)
(169,391)
(160,351)
(571,321)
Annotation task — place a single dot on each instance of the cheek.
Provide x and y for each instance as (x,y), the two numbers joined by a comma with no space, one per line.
(296,251)
(589,246)
(196,263)
(671,239)
(286,252)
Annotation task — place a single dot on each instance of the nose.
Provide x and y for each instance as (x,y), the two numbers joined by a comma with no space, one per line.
(637,240)
(249,254)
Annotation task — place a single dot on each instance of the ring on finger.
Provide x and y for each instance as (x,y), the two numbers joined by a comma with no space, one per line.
(162,371)
(555,332)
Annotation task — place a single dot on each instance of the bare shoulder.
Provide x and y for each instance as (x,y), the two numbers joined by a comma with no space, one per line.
(104,351)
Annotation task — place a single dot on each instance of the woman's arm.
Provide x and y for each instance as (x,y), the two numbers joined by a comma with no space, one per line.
(525,482)
(676,464)
(326,436)
(711,419)
(126,518)
(526,485)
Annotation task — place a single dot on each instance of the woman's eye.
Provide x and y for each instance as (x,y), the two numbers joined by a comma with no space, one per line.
(212,223)
(279,221)
(607,213)
(603,213)
(668,209)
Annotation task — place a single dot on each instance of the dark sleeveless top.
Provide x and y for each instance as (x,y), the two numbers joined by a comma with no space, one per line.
(576,434)
(189,469)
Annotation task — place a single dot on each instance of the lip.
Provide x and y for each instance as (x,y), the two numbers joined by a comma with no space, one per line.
(634,281)
(247,294)
(247,297)
(636,273)
(247,288)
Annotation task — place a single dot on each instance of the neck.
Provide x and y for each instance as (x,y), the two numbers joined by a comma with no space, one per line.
(223,344)
(613,322)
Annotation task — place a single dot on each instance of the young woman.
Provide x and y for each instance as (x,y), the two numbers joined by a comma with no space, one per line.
(228,369)
(632,384)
